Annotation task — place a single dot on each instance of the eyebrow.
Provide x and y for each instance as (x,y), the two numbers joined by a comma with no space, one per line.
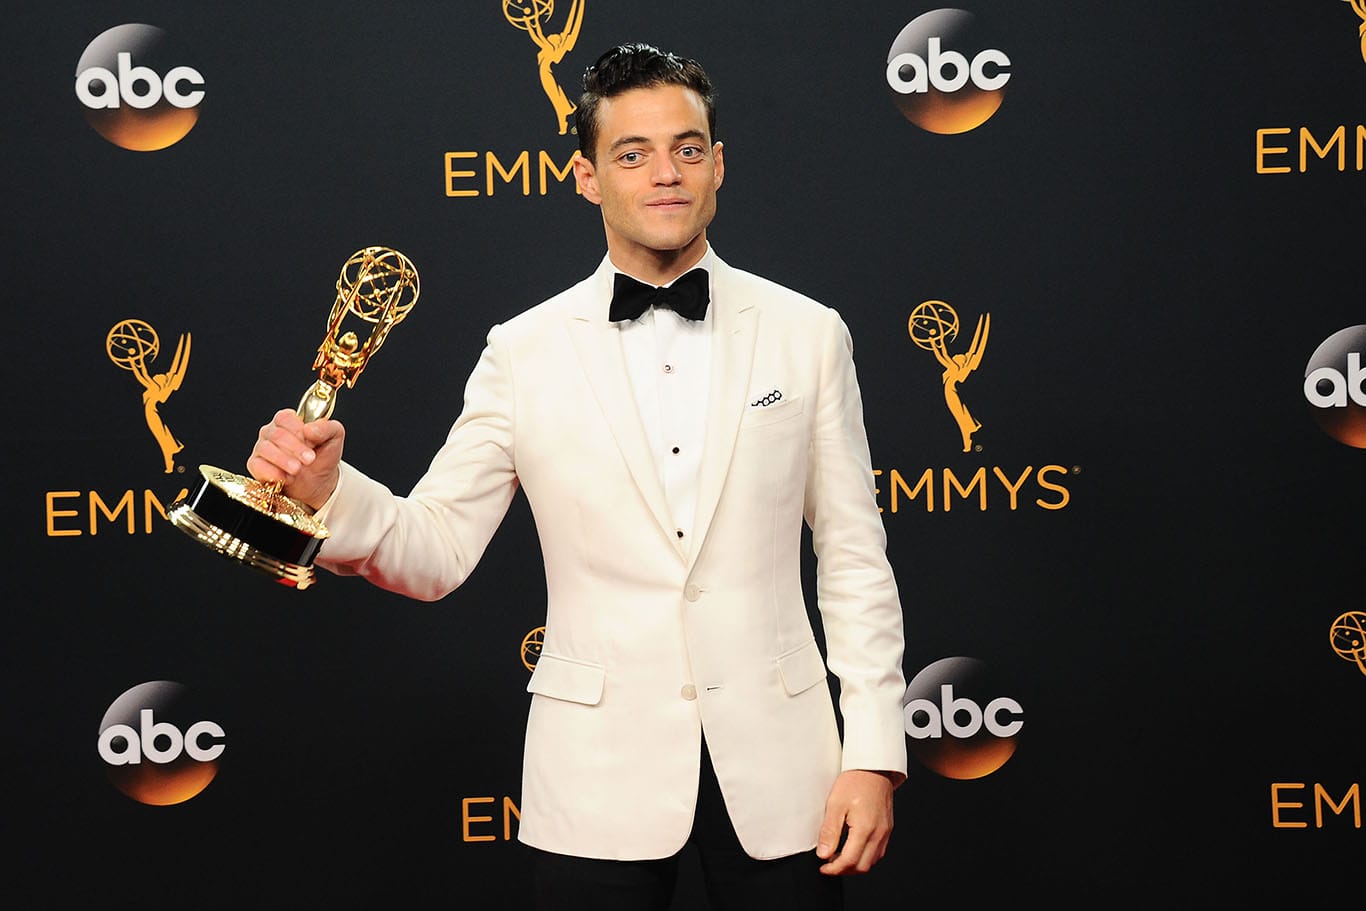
(645,140)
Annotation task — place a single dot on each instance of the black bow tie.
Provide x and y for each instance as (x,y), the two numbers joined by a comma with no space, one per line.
(687,297)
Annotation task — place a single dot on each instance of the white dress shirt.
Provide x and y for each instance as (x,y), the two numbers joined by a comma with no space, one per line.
(668,360)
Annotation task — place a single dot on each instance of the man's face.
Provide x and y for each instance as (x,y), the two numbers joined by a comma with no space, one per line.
(655,178)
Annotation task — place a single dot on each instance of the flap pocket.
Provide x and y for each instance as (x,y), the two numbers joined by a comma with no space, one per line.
(801,668)
(759,415)
(564,678)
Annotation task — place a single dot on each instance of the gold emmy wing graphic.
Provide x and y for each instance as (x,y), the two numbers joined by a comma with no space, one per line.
(1359,7)
(253,522)
(932,325)
(130,344)
(531,16)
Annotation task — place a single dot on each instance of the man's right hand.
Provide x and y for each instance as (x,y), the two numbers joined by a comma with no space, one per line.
(303,456)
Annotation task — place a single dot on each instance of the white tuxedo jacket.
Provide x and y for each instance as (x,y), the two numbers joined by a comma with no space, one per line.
(648,644)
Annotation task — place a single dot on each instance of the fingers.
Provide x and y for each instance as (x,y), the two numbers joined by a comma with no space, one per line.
(863,847)
(289,451)
(281,450)
(860,852)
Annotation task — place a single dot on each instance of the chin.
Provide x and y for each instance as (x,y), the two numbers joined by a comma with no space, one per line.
(674,243)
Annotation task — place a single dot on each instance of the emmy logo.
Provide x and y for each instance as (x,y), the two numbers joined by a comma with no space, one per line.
(1359,7)
(932,325)
(1349,638)
(254,522)
(531,16)
(131,344)
(532,643)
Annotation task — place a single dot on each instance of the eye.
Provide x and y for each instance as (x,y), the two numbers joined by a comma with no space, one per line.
(631,158)
(690,153)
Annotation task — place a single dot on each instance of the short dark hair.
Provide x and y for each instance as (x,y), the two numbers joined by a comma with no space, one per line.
(636,66)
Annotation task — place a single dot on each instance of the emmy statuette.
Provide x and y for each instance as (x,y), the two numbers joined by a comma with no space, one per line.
(254,522)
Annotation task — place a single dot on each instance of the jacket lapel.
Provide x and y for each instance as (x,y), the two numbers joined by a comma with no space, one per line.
(732,356)
(598,345)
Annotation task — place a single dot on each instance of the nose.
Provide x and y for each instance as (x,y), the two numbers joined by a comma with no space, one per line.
(666,172)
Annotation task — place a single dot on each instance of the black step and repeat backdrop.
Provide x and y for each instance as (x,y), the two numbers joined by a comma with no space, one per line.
(1101,265)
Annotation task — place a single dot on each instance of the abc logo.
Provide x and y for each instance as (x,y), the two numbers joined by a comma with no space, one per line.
(1335,386)
(959,723)
(155,747)
(944,74)
(132,94)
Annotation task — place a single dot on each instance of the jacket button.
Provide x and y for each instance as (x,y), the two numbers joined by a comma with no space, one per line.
(689,692)
(692,592)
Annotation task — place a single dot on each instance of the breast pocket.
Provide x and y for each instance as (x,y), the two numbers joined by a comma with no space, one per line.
(763,415)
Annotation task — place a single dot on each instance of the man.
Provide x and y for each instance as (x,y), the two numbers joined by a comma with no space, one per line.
(669,458)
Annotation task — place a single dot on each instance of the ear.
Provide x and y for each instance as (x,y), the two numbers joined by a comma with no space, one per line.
(718,165)
(586,176)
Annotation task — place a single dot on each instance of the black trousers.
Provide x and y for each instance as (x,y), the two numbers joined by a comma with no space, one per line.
(732,880)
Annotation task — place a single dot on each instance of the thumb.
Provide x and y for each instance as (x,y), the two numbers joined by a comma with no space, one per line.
(832,827)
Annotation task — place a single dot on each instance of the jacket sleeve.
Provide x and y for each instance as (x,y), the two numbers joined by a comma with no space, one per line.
(426,544)
(855,589)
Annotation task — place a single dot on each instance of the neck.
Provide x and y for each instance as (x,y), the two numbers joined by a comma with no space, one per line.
(659,267)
